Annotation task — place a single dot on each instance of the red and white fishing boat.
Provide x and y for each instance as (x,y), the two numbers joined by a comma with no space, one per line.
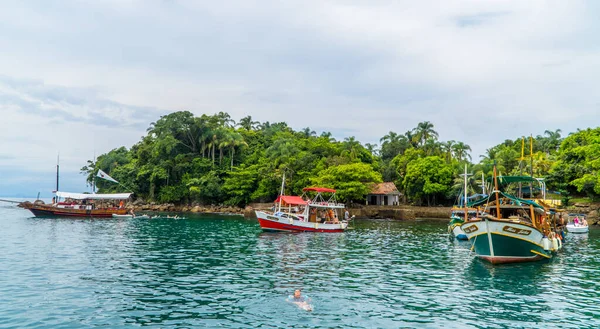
(321,213)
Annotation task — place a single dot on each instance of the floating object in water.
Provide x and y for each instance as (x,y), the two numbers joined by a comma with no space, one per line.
(122,216)
(175,217)
(131,216)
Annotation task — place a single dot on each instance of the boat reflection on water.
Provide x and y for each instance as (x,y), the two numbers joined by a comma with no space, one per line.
(511,293)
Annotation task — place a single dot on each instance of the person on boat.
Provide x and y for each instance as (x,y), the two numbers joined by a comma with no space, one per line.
(584,221)
(346,215)
(576,220)
(121,204)
(561,221)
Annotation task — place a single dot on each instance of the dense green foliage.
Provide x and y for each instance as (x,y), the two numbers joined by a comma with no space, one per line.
(211,160)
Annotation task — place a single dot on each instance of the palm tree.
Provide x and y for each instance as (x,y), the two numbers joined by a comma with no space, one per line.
(447,148)
(411,138)
(552,140)
(431,147)
(424,131)
(352,146)
(247,123)
(307,132)
(225,119)
(372,148)
(231,140)
(328,135)
(461,151)
(391,138)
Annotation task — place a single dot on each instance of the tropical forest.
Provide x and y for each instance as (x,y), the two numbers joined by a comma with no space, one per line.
(214,160)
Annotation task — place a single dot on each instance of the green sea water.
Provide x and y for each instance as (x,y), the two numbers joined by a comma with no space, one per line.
(223,272)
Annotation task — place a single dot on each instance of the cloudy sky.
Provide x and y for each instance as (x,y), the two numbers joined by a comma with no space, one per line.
(78,77)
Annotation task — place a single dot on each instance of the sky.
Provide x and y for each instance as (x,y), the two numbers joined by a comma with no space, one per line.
(79,78)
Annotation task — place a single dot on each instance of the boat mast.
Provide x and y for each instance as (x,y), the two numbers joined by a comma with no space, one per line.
(482,183)
(498,215)
(531,169)
(520,195)
(57,170)
(94,179)
(465,196)
(533,220)
(281,194)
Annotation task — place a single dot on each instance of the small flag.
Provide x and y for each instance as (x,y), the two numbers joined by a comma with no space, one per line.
(104,175)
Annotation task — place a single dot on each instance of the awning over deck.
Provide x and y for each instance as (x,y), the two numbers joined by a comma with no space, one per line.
(83,196)
(516,201)
(319,189)
(291,200)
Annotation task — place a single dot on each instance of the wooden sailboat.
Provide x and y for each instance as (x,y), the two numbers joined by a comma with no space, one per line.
(512,229)
(67,204)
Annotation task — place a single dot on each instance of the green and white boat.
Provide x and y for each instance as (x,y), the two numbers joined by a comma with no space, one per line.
(511,229)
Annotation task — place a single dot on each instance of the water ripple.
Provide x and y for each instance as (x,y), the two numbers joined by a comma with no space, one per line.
(224,272)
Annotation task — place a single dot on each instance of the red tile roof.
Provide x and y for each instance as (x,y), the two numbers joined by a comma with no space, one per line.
(385,188)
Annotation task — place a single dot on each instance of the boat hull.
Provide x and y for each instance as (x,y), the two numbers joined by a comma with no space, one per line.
(455,229)
(278,223)
(500,242)
(42,210)
(458,233)
(577,229)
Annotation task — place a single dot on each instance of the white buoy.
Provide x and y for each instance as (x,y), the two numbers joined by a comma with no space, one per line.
(554,244)
(546,244)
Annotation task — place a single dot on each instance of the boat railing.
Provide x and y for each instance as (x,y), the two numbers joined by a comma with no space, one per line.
(325,204)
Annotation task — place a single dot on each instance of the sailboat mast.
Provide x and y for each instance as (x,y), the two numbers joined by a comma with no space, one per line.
(498,215)
(281,193)
(94,179)
(482,183)
(531,169)
(520,195)
(57,170)
(465,196)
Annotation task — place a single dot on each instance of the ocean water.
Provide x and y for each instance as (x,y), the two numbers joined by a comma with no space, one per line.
(223,272)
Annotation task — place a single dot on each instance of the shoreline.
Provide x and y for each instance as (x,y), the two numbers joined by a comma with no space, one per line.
(400,212)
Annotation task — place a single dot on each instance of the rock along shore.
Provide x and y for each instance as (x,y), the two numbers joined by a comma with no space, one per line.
(401,212)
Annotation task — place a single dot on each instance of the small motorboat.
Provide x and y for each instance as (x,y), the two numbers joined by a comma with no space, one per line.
(577,228)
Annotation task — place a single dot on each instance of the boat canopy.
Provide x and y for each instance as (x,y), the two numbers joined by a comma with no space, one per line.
(517,201)
(503,180)
(318,189)
(291,200)
(83,196)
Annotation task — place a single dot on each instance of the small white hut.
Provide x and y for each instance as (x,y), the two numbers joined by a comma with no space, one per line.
(384,194)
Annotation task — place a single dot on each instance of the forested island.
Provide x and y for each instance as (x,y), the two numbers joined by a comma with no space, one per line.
(212,160)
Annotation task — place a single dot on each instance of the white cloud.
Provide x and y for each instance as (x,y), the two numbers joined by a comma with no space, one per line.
(83,76)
